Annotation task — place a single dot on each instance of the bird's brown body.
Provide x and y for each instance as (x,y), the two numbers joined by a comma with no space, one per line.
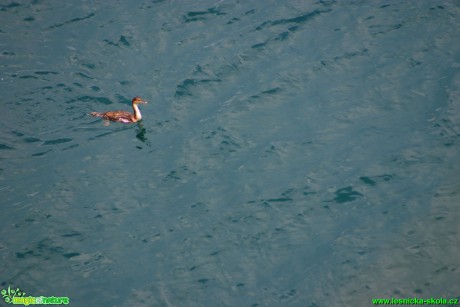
(123,116)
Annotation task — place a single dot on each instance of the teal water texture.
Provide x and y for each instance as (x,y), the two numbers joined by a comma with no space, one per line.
(296,153)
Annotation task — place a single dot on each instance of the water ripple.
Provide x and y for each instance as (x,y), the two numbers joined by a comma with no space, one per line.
(73,20)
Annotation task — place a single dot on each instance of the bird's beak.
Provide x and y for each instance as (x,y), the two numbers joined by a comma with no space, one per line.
(143,101)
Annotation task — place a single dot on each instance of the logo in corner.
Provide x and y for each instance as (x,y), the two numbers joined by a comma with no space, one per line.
(10,294)
(18,297)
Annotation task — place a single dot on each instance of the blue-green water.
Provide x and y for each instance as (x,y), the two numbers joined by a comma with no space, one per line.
(303,153)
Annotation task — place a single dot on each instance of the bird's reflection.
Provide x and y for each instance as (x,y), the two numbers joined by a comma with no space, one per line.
(141,132)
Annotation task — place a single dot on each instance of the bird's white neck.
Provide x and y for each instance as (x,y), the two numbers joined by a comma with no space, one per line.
(137,112)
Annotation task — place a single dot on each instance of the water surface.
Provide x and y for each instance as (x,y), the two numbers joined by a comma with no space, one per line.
(295,154)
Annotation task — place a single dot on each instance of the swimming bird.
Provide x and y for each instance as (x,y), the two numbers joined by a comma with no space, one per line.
(123,116)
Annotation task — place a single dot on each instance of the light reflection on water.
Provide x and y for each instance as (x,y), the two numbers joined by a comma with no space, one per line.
(301,154)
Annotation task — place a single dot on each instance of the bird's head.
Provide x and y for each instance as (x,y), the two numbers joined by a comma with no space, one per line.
(137,100)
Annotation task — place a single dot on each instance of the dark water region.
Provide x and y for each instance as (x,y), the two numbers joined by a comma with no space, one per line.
(296,153)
